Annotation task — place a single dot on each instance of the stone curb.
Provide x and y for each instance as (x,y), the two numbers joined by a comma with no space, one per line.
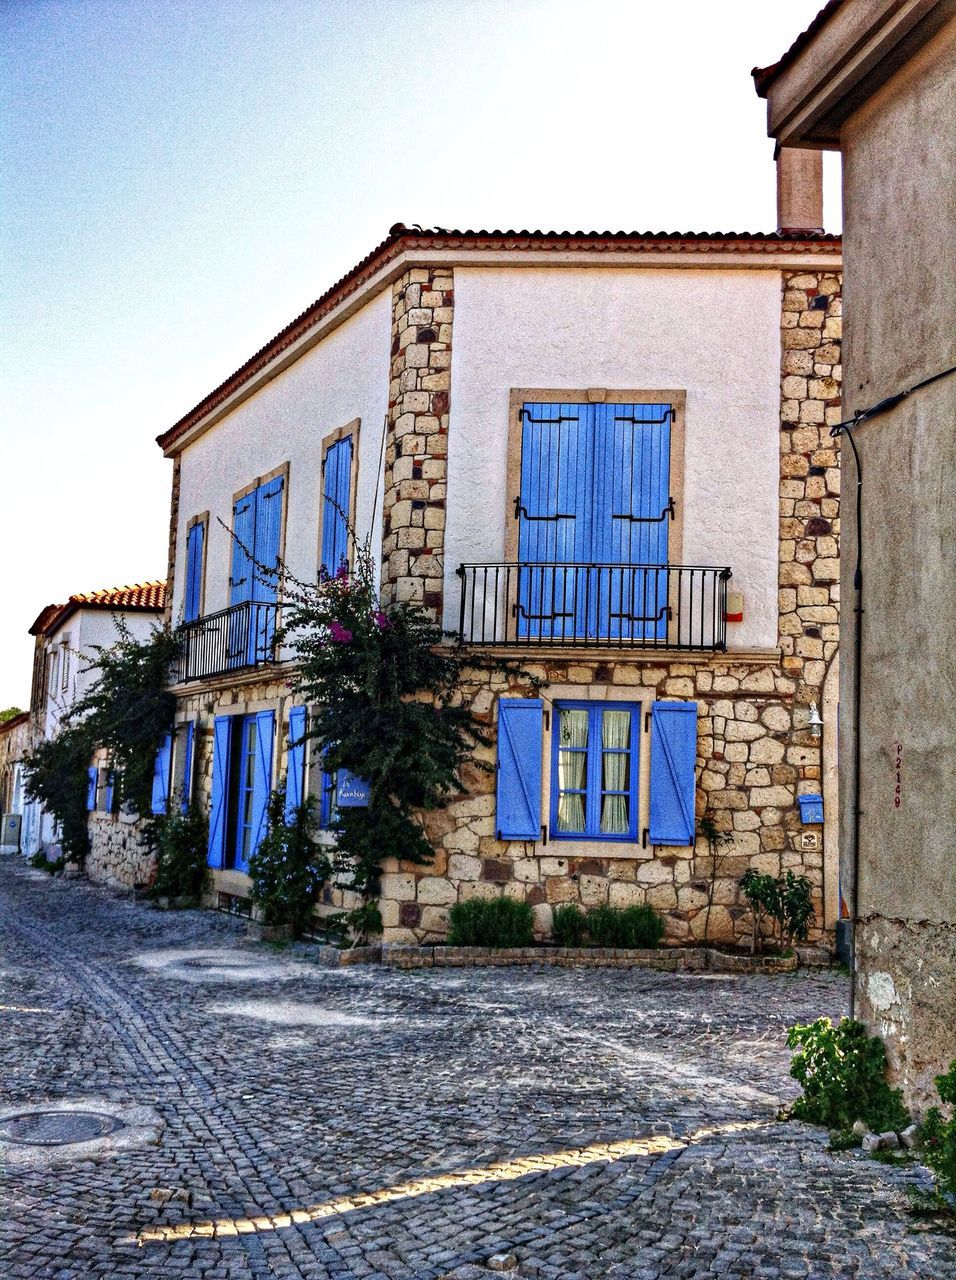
(672,959)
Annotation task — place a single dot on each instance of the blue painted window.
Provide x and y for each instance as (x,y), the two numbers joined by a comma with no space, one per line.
(673,773)
(241,783)
(295,766)
(595,482)
(195,549)
(92,781)
(257,530)
(594,770)
(161,772)
(336,499)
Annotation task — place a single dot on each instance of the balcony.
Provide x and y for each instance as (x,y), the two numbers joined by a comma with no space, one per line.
(641,606)
(231,640)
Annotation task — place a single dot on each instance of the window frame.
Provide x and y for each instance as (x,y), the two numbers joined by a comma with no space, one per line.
(281,471)
(593,791)
(352,429)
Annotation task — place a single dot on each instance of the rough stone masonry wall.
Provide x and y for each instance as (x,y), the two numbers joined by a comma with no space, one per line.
(118,855)
(754,754)
(416,449)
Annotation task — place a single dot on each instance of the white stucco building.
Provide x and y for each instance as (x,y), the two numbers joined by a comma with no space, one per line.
(607,453)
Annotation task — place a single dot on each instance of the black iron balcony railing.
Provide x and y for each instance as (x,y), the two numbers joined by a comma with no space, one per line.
(241,636)
(640,606)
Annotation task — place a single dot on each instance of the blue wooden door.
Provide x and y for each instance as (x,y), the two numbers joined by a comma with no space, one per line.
(595,484)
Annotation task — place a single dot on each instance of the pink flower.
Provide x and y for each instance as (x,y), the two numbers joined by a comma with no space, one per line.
(381,620)
(339,634)
(342,572)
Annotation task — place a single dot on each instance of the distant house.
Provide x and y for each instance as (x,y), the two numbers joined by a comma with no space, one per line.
(15,740)
(876,81)
(604,452)
(66,636)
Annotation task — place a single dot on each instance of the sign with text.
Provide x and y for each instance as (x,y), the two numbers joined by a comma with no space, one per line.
(352,792)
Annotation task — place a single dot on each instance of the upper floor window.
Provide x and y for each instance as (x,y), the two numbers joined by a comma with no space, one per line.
(195,568)
(257,520)
(594,492)
(339,463)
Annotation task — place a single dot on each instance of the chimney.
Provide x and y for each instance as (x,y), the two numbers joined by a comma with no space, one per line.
(799,189)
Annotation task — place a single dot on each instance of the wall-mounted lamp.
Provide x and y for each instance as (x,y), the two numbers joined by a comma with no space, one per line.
(814,721)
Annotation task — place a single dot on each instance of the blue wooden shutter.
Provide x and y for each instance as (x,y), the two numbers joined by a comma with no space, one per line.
(520,730)
(243,548)
(221,740)
(194,560)
(109,791)
(554,449)
(188,746)
(92,775)
(266,568)
(336,504)
(262,776)
(673,763)
(160,801)
(295,770)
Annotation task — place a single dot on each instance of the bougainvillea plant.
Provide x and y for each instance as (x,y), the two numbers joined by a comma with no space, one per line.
(387,708)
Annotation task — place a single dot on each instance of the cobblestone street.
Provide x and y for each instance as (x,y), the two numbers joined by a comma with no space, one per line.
(366,1122)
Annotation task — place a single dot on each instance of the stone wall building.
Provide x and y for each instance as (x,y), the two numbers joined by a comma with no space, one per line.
(606,456)
(67,637)
(877,82)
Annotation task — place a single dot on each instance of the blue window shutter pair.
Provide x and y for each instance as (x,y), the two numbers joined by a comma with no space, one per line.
(195,540)
(92,775)
(223,729)
(295,769)
(520,738)
(160,801)
(673,776)
(336,500)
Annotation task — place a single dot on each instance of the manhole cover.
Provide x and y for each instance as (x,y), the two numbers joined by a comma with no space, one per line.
(210,963)
(57,1128)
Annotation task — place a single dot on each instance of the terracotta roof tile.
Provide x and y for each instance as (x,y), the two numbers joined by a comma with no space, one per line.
(765,76)
(401,237)
(144,597)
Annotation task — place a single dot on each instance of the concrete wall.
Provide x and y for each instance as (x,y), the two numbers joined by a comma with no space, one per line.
(342,378)
(900,254)
(713,334)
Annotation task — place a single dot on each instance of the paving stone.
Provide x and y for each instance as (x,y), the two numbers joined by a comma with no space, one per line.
(591,1122)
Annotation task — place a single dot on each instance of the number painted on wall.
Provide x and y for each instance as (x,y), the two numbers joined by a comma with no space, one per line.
(898,767)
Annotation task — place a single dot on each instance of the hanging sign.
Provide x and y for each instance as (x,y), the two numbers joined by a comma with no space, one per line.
(351,792)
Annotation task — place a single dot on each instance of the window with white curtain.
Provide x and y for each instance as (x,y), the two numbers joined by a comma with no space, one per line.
(594,770)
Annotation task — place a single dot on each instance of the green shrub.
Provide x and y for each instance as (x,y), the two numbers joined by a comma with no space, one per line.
(843,1073)
(636,926)
(939,1134)
(181,843)
(491,922)
(569,926)
(50,866)
(785,899)
(289,868)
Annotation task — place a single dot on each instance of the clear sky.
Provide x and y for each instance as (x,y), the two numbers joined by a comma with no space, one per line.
(182,177)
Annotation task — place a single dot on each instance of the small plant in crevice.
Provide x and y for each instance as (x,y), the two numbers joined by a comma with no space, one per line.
(289,867)
(716,839)
(785,900)
(939,1134)
(842,1070)
(569,925)
(491,922)
(180,842)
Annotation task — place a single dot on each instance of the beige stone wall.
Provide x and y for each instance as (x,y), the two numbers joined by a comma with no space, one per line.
(416,448)
(118,855)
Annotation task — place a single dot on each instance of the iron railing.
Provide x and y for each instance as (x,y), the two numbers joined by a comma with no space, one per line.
(241,636)
(635,606)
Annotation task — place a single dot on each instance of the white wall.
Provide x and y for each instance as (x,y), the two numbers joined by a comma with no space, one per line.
(713,333)
(343,377)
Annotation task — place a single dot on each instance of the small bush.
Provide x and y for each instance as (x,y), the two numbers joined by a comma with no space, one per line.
(939,1134)
(181,843)
(636,926)
(569,925)
(492,922)
(785,899)
(289,868)
(50,866)
(843,1073)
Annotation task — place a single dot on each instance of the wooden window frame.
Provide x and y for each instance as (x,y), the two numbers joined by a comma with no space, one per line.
(595,707)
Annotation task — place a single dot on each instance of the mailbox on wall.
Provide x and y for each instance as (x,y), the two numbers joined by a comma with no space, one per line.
(811,808)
